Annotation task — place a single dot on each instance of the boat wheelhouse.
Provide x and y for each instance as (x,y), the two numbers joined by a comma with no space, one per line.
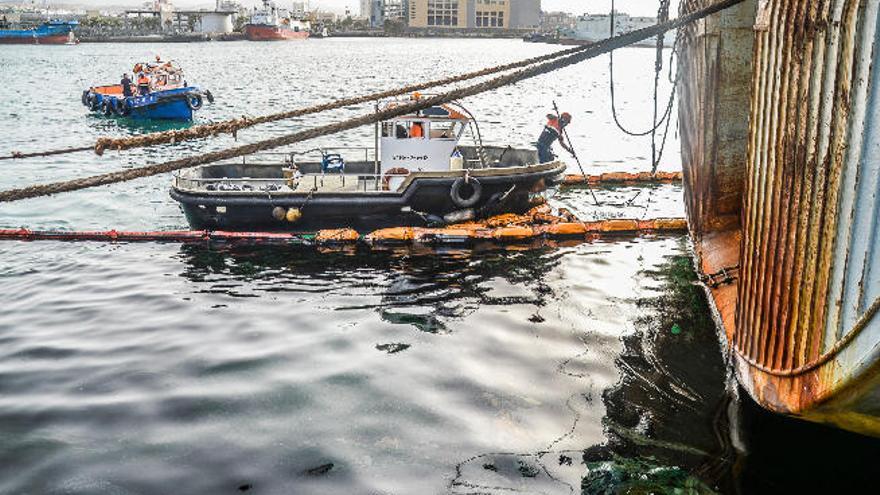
(417,173)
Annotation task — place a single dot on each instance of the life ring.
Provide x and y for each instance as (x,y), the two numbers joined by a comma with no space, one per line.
(93,102)
(394,172)
(107,107)
(194,101)
(456,190)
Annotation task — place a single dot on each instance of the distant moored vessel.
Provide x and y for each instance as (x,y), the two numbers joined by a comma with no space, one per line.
(273,24)
(48,33)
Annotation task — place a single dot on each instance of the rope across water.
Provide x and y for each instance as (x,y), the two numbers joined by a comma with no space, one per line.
(234,125)
(586,53)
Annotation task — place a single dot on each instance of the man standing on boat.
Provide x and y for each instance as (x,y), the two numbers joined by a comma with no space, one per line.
(126,86)
(553,131)
(143,83)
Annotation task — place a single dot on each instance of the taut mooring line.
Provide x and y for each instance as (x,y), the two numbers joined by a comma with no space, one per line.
(63,151)
(232,126)
(589,52)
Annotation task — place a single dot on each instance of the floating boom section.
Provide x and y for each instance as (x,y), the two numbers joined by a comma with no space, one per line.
(801,320)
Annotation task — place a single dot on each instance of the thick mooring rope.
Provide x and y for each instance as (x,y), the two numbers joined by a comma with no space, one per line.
(587,53)
(232,126)
(235,125)
(63,151)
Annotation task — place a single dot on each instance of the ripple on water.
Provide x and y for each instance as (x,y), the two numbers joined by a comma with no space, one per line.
(395,373)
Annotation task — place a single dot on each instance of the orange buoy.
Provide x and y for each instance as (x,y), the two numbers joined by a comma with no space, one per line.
(337,235)
(562,229)
(513,233)
(395,234)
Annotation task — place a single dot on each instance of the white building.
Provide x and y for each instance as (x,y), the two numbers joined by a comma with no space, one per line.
(596,27)
(300,9)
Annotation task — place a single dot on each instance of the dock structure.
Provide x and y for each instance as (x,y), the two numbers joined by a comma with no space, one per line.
(779,122)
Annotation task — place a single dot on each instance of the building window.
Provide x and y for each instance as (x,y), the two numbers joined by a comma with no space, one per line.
(490,13)
(443,13)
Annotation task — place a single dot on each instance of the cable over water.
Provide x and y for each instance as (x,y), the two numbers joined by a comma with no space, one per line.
(589,52)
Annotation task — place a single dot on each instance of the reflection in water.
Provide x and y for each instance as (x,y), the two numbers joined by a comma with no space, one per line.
(279,370)
(667,410)
(663,410)
(425,290)
(662,416)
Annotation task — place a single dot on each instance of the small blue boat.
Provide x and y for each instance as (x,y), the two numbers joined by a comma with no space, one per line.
(160,93)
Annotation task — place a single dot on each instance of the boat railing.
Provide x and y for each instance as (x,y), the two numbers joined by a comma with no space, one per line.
(351,153)
(341,182)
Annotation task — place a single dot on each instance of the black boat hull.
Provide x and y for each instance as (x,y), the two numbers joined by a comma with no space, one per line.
(364,211)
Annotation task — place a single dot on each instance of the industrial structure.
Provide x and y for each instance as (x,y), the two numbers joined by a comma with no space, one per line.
(219,20)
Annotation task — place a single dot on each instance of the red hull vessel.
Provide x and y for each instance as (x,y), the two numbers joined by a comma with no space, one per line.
(254,32)
(58,39)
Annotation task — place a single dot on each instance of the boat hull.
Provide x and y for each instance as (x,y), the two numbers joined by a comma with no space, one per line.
(781,170)
(173,104)
(361,211)
(49,33)
(56,39)
(255,32)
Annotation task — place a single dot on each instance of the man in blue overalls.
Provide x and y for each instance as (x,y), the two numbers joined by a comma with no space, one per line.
(553,131)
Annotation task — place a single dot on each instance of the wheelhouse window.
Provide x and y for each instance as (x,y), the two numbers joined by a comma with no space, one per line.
(403,129)
(444,130)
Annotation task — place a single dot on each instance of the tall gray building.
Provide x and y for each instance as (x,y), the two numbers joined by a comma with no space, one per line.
(378,11)
(525,14)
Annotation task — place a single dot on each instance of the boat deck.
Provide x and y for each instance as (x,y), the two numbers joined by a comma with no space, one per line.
(336,183)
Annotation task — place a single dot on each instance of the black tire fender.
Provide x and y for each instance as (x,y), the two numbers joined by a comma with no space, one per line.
(93,102)
(194,101)
(121,107)
(107,107)
(85,98)
(456,190)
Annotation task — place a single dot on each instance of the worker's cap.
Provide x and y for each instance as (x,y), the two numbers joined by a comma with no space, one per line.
(566,117)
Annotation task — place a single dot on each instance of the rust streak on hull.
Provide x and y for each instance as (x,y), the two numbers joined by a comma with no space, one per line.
(782,200)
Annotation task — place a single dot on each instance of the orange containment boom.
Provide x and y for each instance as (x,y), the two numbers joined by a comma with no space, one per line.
(623,178)
(454,234)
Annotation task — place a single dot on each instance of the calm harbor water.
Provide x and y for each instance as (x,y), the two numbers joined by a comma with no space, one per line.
(156,368)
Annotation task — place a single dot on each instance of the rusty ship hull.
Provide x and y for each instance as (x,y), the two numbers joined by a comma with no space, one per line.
(780,125)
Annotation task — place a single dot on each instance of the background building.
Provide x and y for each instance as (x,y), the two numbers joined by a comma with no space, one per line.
(300,9)
(474,14)
(525,14)
(378,11)
(555,21)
